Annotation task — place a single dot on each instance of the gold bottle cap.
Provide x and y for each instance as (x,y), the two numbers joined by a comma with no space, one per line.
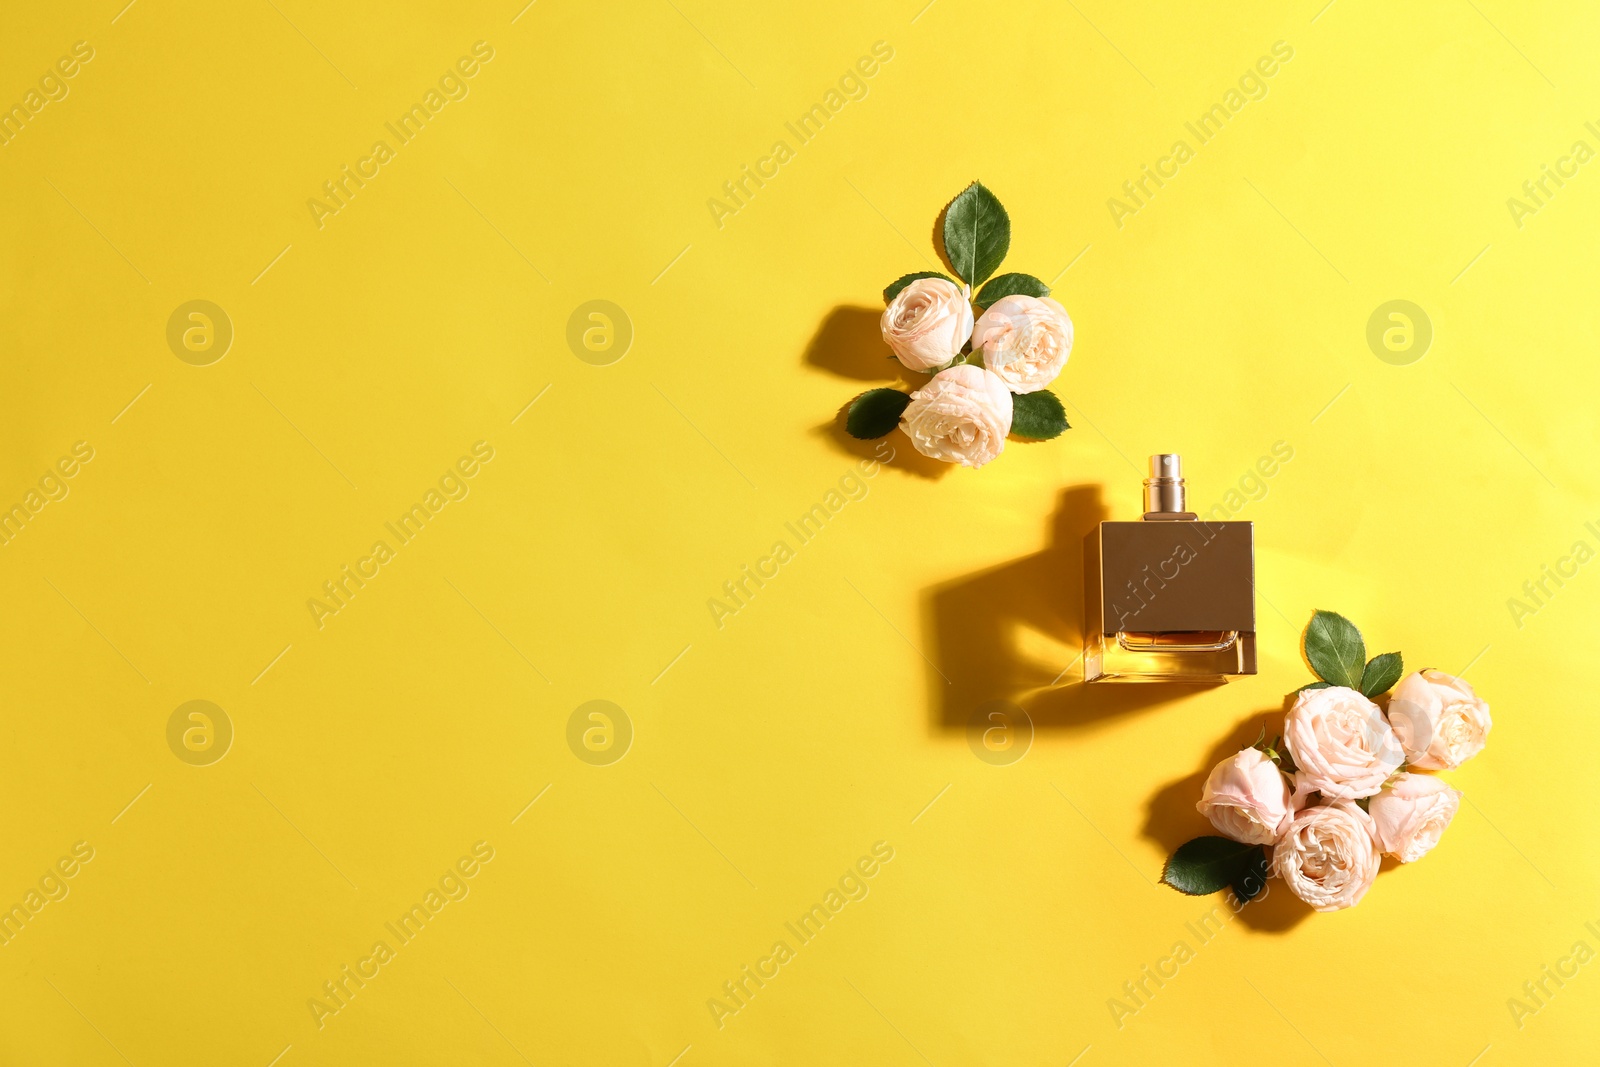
(1165,495)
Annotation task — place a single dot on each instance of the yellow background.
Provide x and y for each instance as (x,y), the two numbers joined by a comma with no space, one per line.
(371,753)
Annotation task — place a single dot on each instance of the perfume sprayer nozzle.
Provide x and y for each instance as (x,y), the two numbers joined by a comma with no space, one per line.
(1164,489)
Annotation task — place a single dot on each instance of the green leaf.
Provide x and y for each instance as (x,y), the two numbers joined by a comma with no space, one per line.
(875,412)
(1010,285)
(1335,649)
(1381,673)
(1039,415)
(977,233)
(904,280)
(1207,865)
(1313,685)
(1252,881)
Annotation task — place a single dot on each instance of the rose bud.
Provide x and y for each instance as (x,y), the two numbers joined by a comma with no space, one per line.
(927,322)
(1439,720)
(1410,814)
(1247,798)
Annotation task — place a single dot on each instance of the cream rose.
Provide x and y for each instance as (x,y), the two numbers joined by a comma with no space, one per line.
(1410,813)
(961,416)
(1341,743)
(1247,798)
(1025,340)
(927,322)
(1439,720)
(1329,856)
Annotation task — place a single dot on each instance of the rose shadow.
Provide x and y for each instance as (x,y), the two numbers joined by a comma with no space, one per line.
(971,623)
(1171,819)
(849,343)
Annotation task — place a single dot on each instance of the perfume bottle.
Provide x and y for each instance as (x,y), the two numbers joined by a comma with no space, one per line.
(1170,598)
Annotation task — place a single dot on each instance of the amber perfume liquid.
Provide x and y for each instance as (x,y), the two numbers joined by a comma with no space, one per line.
(1170,598)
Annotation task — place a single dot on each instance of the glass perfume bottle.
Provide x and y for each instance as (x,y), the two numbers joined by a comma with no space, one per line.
(1170,598)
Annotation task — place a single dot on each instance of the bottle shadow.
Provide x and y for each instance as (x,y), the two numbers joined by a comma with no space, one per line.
(1171,818)
(971,625)
(849,343)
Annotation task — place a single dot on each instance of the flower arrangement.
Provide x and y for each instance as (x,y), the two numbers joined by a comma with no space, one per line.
(990,370)
(1319,805)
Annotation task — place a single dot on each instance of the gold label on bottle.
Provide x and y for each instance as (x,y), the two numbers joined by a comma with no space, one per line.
(1172,576)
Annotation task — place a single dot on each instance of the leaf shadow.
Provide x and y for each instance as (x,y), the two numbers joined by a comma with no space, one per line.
(937,239)
(892,450)
(850,344)
(1171,819)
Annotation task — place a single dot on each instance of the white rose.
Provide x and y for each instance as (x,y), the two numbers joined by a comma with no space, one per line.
(1025,340)
(927,322)
(1411,813)
(1329,857)
(1247,798)
(961,416)
(1341,743)
(1440,721)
